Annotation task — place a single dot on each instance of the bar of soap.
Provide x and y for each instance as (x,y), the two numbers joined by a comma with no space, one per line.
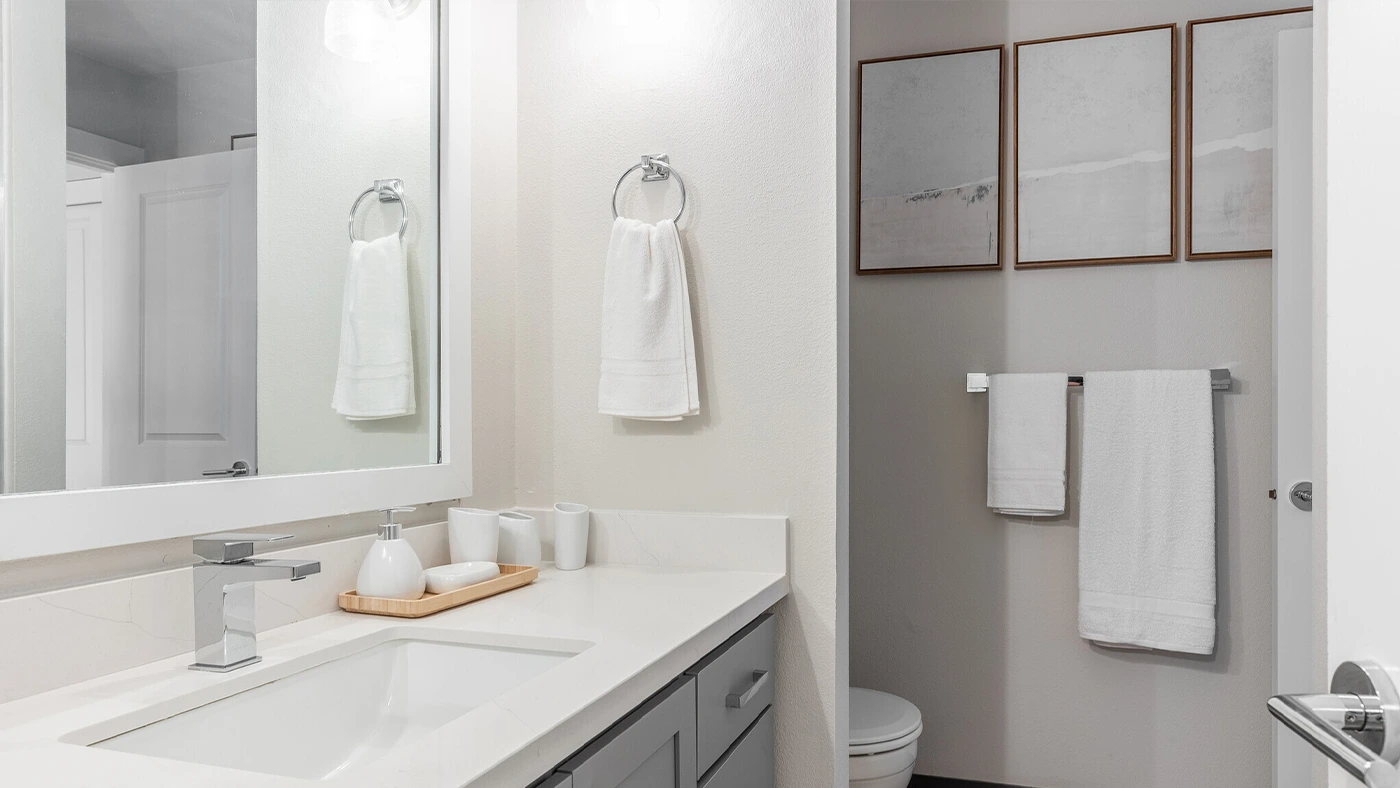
(451,577)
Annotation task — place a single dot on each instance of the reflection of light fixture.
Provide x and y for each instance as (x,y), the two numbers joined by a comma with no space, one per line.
(361,29)
(624,12)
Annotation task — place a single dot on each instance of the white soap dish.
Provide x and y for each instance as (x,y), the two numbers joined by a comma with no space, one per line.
(444,579)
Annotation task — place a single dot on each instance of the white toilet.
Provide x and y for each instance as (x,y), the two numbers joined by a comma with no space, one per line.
(885,732)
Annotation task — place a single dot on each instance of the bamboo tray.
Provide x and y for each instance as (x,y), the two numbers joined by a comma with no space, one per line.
(512,576)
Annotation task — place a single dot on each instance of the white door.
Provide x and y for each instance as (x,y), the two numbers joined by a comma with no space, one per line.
(1356,402)
(83,458)
(1295,642)
(182,325)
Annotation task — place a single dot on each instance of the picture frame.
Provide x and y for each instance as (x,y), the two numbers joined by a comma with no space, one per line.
(930,152)
(1096,184)
(1229,160)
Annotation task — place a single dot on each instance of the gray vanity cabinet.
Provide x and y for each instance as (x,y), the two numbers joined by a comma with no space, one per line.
(710,728)
(653,747)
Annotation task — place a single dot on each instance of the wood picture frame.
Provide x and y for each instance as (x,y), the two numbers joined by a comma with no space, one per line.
(1247,249)
(1168,143)
(986,191)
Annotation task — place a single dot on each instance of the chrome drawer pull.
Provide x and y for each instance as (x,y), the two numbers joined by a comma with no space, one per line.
(737,701)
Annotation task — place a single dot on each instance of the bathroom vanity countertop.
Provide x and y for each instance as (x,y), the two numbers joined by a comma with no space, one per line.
(646,624)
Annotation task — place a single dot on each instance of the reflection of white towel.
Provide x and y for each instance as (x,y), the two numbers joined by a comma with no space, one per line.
(1026,425)
(1147,501)
(648,365)
(375,377)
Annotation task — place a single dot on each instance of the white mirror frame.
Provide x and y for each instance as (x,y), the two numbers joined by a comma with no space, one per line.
(51,523)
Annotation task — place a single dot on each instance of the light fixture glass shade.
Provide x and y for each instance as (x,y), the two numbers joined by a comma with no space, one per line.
(359,29)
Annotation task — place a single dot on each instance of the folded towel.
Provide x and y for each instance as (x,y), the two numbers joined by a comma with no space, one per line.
(1147,511)
(648,366)
(1026,444)
(375,376)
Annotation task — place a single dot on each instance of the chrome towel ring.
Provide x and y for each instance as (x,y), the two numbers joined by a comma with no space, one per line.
(654,168)
(389,190)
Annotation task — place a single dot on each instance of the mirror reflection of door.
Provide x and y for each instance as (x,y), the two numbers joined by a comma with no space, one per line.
(162,277)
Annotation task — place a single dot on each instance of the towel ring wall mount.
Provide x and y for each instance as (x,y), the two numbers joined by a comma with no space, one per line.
(654,167)
(389,190)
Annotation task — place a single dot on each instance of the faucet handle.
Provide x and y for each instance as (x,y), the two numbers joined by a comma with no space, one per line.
(230,547)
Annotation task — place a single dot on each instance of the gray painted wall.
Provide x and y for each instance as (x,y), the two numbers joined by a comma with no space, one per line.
(973,616)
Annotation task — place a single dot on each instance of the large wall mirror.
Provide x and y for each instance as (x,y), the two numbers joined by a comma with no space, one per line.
(197,308)
(222,247)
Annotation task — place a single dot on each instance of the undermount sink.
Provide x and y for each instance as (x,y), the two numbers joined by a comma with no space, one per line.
(317,716)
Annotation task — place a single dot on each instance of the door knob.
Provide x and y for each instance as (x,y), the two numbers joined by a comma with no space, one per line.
(1357,725)
(1301,494)
(239,468)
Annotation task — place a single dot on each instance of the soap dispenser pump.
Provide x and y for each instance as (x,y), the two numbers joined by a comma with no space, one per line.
(391,570)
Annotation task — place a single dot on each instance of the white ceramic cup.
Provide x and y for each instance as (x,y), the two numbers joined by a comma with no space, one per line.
(570,535)
(520,539)
(472,534)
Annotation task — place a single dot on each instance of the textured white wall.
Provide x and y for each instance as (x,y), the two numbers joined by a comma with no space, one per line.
(104,100)
(328,127)
(972,616)
(195,110)
(37,246)
(742,96)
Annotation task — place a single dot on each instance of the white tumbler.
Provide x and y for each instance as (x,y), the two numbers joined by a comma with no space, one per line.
(472,534)
(570,535)
(520,539)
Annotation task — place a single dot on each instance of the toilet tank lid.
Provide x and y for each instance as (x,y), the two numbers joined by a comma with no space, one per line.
(880,717)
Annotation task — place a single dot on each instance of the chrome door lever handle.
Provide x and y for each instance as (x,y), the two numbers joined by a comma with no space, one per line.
(1357,726)
(239,468)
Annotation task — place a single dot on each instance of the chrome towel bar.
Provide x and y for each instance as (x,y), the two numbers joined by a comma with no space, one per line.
(980,382)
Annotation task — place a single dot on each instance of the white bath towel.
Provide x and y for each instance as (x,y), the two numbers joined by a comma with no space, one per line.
(375,376)
(1026,444)
(648,364)
(1147,521)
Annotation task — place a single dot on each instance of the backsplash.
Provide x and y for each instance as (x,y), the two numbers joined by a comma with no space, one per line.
(70,635)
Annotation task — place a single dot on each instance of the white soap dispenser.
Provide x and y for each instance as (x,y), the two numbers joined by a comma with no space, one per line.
(391,570)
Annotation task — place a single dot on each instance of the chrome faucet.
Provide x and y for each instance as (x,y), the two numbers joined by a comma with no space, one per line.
(224,637)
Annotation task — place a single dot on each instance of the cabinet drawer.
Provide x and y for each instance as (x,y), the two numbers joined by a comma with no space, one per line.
(733,685)
(556,780)
(653,747)
(749,763)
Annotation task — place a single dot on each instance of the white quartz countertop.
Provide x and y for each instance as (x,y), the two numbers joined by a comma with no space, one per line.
(646,624)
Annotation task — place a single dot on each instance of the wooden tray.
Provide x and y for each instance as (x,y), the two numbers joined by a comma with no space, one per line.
(512,576)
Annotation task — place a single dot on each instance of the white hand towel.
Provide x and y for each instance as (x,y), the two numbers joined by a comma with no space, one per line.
(1026,444)
(1147,521)
(375,376)
(648,365)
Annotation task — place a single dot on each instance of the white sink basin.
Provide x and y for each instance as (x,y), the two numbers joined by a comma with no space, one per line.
(317,716)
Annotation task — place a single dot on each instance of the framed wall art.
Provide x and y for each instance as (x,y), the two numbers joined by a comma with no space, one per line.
(930,151)
(1095,148)
(1230,132)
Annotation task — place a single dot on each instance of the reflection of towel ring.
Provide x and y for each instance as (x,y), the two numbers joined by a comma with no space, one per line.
(389,190)
(654,168)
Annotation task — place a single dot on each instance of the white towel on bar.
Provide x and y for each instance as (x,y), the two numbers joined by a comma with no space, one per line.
(1147,511)
(648,365)
(375,376)
(1026,444)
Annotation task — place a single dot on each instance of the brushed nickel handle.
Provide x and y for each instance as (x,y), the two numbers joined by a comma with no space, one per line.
(239,468)
(1350,726)
(737,701)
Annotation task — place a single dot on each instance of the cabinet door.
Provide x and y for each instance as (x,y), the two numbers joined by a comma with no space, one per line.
(653,747)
